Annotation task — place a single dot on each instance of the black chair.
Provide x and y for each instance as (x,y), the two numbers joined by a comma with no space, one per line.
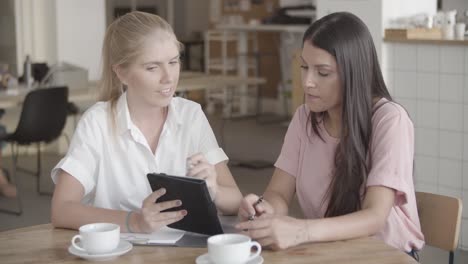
(42,120)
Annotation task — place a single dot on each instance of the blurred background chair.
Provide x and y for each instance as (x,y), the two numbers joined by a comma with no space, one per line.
(42,120)
(190,45)
(74,111)
(440,218)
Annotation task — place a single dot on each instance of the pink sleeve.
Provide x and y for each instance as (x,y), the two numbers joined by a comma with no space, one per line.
(288,159)
(392,151)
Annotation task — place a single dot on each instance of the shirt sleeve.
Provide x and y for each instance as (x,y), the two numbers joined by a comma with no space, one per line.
(208,144)
(288,159)
(392,150)
(82,157)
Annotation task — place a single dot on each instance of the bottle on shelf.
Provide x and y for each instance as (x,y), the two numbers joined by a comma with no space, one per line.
(465,19)
(28,79)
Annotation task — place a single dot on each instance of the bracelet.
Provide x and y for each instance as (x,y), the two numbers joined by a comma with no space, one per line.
(127,220)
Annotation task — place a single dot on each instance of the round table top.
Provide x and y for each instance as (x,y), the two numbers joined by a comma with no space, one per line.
(46,244)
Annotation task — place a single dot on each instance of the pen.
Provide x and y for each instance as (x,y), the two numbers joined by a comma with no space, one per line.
(260,199)
(190,165)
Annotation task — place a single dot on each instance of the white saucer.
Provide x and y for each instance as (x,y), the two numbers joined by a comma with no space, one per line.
(205,259)
(122,248)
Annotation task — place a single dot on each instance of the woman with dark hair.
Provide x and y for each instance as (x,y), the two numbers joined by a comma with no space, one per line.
(347,154)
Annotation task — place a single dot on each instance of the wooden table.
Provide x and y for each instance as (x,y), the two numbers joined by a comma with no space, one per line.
(44,244)
(189,81)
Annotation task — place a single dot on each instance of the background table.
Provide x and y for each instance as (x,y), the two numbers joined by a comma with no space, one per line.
(44,244)
(188,81)
(290,41)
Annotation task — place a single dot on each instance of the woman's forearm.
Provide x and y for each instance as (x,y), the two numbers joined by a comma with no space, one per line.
(377,205)
(358,224)
(228,199)
(74,214)
(277,201)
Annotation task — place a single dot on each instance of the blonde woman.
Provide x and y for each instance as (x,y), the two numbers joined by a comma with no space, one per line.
(136,128)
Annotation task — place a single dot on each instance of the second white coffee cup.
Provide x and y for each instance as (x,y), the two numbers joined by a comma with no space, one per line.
(460,30)
(232,249)
(97,238)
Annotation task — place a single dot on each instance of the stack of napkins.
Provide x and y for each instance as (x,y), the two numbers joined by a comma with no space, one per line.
(164,235)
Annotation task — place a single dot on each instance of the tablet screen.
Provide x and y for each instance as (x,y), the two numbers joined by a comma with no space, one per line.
(202,215)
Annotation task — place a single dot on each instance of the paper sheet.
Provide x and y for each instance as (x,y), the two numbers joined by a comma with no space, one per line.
(165,235)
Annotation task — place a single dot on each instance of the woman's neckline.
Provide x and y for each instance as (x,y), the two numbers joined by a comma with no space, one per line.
(377,102)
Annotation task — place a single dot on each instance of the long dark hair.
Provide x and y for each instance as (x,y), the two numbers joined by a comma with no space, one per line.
(346,37)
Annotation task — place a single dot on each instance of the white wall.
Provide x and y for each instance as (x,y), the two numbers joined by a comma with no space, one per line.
(197,17)
(179,17)
(72,31)
(376,13)
(460,5)
(35,31)
(60,31)
(8,36)
(368,10)
(43,31)
(431,82)
(23,28)
(80,32)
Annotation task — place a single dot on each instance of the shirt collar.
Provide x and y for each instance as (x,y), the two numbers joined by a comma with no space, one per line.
(173,115)
(124,122)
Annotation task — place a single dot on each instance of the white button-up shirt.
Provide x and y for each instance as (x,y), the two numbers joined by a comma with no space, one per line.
(111,160)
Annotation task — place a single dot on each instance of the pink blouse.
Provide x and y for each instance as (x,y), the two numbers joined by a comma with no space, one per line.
(310,160)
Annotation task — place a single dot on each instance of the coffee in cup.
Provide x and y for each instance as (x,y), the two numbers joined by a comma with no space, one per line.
(232,249)
(97,238)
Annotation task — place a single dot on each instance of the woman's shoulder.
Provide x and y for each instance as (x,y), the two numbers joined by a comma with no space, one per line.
(386,110)
(97,112)
(185,106)
(301,117)
(302,112)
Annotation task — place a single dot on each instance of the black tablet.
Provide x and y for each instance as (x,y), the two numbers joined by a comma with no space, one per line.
(202,216)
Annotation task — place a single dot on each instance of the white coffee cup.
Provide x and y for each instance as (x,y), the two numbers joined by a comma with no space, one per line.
(97,238)
(448,31)
(460,30)
(232,249)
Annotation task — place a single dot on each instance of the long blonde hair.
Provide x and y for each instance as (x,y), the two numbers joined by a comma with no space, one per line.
(123,44)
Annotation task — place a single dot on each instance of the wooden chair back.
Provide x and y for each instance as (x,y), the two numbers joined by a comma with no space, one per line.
(440,218)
